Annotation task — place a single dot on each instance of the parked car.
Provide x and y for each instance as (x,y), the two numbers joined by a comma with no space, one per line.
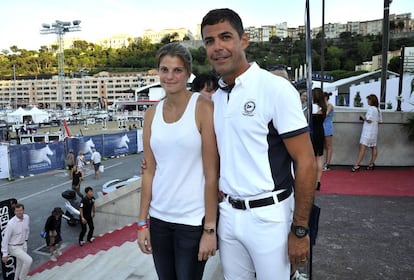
(115,184)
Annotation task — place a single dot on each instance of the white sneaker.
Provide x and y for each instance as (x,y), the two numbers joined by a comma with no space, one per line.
(53,258)
(299,276)
(58,252)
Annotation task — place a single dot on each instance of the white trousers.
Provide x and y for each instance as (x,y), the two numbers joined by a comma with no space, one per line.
(23,260)
(253,242)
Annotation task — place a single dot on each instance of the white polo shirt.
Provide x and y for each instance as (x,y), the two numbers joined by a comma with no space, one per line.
(250,124)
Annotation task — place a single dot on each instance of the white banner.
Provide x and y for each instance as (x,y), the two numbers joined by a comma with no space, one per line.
(4,162)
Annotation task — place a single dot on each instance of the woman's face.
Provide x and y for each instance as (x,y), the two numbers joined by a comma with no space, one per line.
(303,97)
(173,74)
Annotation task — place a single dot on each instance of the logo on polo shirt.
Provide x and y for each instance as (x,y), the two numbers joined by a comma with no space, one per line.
(249,108)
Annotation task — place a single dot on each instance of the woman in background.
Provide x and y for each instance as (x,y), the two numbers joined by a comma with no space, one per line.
(319,109)
(369,133)
(206,84)
(328,130)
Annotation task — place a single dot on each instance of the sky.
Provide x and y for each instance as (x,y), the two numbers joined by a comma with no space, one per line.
(21,20)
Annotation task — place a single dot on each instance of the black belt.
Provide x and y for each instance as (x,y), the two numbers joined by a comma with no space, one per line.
(241,203)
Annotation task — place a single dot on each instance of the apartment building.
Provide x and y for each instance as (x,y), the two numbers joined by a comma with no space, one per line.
(401,23)
(98,91)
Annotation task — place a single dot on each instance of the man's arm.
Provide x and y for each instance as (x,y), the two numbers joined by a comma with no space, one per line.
(301,151)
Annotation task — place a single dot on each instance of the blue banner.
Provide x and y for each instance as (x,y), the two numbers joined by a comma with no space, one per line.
(35,158)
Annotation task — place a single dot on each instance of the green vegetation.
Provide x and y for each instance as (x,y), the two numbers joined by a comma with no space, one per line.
(357,100)
(341,56)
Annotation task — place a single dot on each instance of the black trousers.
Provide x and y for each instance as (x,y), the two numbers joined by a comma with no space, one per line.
(83,231)
(175,250)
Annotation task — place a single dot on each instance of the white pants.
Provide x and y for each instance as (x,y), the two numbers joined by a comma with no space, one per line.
(253,242)
(23,260)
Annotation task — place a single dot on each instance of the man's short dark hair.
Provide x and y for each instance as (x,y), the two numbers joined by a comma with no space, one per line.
(221,15)
(19,205)
(87,189)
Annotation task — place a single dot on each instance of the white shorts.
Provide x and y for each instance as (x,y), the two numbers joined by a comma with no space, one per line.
(253,242)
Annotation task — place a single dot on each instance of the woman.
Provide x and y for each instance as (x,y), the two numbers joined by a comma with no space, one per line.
(319,109)
(70,162)
(369,133)
(179,183)
(304,101)
(52,229)
(328,130)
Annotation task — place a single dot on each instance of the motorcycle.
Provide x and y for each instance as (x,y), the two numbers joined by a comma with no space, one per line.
(72,214)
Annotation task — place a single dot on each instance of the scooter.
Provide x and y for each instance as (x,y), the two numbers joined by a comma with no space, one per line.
(72,214)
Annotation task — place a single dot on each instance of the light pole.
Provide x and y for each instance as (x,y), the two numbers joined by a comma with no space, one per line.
(384,57)
(60,28)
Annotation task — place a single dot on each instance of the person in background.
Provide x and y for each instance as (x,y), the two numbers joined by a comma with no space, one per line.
(76,180)
(261,131)
(87,213)
(281,71)
(318,136)
(70,162)
(13,203)
(369,134)
(206,84)
(14,242)
(328,131)
(53,233)
(181,233)
(81,163)
(304,101)
(96,161)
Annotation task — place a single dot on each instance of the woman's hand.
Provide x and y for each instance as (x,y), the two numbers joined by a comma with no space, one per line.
(208,246)
(144,241)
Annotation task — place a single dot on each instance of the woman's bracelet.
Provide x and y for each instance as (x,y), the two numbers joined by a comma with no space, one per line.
(142,227)
(141,223)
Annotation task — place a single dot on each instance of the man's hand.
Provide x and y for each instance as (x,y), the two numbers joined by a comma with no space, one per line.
(4,259)
(143,165)
(298,249)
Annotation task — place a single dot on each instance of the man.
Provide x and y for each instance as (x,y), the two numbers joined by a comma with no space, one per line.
(96,161)
(261,131)
(14,242)
(87,213)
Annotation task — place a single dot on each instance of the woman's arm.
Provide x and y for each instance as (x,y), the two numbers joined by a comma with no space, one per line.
(204,116)
(149,171)
(143,236)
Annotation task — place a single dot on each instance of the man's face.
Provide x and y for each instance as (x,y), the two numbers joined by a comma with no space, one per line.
(89,193)
(225,49)
(19,212)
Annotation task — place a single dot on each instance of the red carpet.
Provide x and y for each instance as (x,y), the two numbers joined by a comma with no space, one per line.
(381,182)
(104,242)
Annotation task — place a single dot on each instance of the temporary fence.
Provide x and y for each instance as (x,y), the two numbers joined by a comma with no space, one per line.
(35,158)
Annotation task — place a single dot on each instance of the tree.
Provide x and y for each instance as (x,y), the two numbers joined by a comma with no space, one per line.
(357,100)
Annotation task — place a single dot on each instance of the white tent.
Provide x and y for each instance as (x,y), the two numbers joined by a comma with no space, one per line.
(38,116)
(34,114)
(16,116)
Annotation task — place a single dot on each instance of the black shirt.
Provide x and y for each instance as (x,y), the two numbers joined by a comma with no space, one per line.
(76,178)
(87,206)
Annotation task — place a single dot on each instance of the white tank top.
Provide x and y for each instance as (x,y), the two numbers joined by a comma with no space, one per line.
(178,185)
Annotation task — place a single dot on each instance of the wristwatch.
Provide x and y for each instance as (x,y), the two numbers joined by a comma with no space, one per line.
(209,230)
(299,231)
